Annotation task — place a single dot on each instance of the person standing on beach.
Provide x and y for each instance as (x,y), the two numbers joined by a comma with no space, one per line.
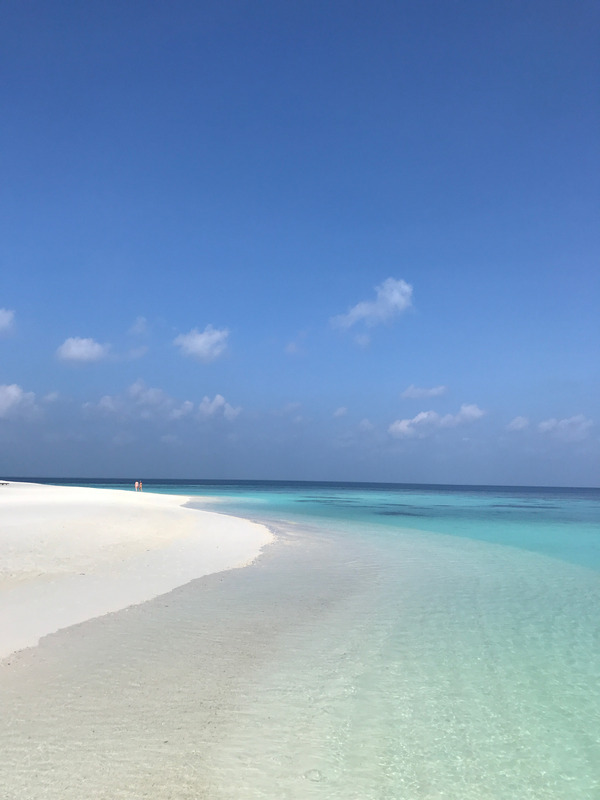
(140,486)
(136,486)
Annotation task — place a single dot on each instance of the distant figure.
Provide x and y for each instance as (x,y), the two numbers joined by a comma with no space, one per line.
(137,486)
(140,486)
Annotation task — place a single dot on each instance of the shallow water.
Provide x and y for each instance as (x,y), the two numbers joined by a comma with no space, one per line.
(358,658)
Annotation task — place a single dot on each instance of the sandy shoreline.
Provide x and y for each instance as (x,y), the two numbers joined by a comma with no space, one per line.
(69,554)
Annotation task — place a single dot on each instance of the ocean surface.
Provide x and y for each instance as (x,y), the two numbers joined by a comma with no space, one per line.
(401,642)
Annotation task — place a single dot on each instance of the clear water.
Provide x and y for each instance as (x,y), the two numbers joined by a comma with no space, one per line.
(398,642)
(559,522)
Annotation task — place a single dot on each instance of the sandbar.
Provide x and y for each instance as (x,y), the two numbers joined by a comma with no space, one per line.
(69,554)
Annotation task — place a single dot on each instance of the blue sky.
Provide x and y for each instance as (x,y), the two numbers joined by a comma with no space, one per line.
(329,241)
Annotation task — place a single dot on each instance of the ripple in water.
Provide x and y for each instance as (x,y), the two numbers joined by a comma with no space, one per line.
(349,662)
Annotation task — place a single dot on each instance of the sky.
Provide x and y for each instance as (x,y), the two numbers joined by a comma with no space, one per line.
(346,241)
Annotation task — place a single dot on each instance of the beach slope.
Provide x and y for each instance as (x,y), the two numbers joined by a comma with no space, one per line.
(68,554)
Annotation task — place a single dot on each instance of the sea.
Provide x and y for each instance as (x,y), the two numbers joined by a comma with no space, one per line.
(396,642)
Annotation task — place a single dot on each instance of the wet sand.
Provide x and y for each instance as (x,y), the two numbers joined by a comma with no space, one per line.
(145,702)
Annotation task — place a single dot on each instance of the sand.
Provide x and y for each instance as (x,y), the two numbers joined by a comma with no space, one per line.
(69,554)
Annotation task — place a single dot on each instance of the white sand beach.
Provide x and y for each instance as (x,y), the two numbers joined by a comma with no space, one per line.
(70,554)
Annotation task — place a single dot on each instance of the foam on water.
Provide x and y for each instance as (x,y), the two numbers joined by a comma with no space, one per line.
(358,658)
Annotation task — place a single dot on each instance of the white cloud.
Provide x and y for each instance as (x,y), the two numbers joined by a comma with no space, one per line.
(415,392)
(425,422)
(392,298)
(206,346)
(51,397)
(149,403)
(139,327)
(230,413)
(184,410)
(108,404)
(419,425)
(366,425)
(7,320)
(138,401)
(571,429)
(340,412)
(518,424)
(14,401)
(467,413)
(210,408)
(148,396)
(82,350)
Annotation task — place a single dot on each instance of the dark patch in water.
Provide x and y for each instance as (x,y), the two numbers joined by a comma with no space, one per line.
(527,506)
(402,514)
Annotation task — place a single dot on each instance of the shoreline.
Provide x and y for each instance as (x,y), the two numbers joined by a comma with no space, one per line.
(70,554)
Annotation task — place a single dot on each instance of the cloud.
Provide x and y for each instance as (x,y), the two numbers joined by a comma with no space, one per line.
(7,320)
(149,403)
(183,410)
(139,327)
(51,397)
(14,401)
(467,413)
(340,412)
(82,350)
(107,404)
(218,405)
(417,393)
(366,425)
(425,422)
(392,298)
(518,424)
(148,400)
(206,346)
(572,429)
(419,425)
(208,407)
(138,401)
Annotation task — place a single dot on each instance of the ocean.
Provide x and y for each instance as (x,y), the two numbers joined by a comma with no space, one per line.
(401,642)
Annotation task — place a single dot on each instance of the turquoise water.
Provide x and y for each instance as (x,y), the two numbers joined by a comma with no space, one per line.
(413,643)
(559,522)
